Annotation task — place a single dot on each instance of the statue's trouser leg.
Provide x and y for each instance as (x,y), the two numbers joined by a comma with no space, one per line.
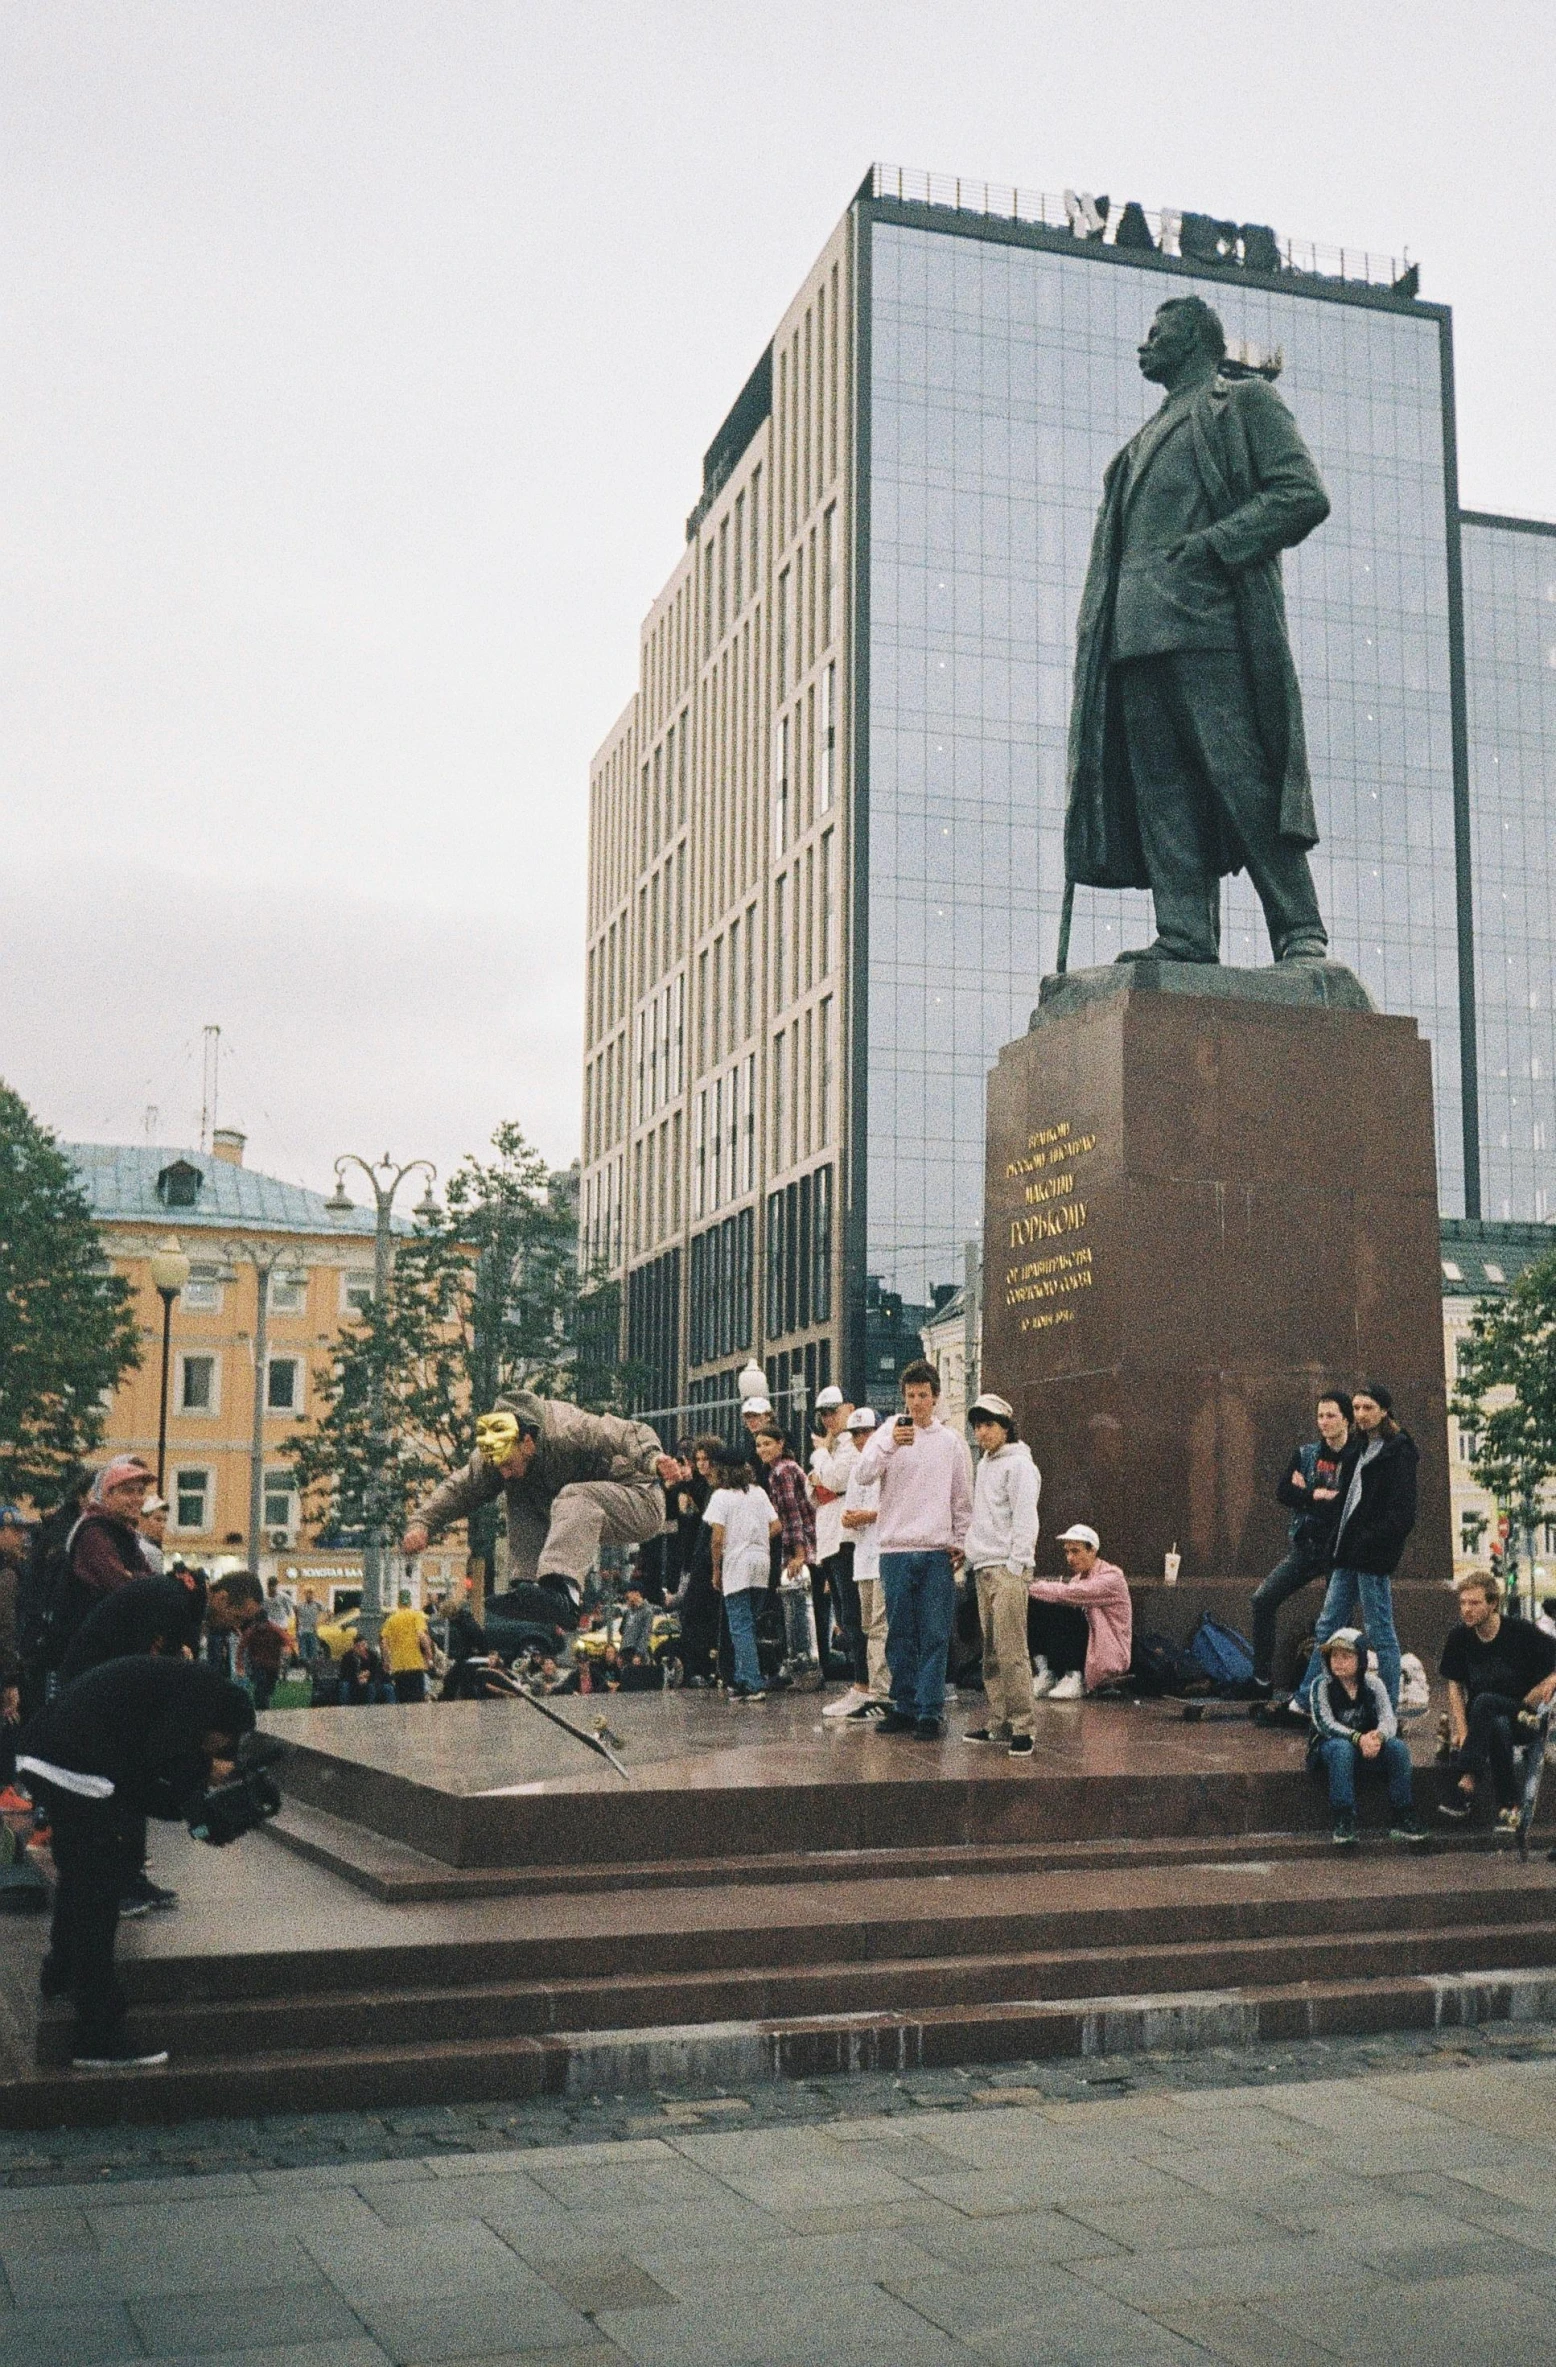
(1211,696)
(1171,804)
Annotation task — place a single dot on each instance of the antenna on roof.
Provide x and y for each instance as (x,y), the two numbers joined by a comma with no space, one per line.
(210,1082)
(152,1118)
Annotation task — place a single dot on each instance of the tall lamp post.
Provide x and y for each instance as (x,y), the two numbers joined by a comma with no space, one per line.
(169,1273)
(385,1179)
(264,1257)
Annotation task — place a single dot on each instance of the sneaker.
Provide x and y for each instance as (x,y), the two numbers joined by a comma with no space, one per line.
(1070,1688)
(1285,1715)
(156,1894)
(929,1729)
(1251,1689)
(1021,1746)
(847,1703)
(121,2056)
(1508,1822)
(984,1734)
(1407,1826)
(870,1711)
(745,1694)
(1344,1835)
(1042,1680)
(1458,1807)
(895,1721)
(133,1905)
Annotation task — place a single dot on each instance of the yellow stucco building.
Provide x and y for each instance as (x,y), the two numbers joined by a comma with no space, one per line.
(228,1220)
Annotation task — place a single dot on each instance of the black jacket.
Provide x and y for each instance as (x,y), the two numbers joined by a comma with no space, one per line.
(1312,1525)
(142,1723)
(133,1619)
(1375,1535)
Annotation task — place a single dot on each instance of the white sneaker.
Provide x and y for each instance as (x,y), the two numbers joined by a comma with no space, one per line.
(847,1703)
(1070,1688)
(1042,1679)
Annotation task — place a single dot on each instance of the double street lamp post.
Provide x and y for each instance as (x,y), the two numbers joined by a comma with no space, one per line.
(264,1257)
(385,1179)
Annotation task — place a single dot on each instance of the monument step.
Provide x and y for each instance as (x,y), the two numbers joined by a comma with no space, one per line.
(394,1872)
(881,1920)
(624,2061)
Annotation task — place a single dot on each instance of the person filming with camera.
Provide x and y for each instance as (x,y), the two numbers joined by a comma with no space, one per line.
(133,1738)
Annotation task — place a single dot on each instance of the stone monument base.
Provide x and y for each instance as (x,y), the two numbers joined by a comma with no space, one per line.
(1210,1192)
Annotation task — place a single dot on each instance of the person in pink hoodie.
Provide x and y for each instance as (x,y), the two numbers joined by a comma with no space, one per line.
(926,1481)
(1081,1626)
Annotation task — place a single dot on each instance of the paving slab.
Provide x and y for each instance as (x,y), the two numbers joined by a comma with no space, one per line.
(182,2324)
(417,2329)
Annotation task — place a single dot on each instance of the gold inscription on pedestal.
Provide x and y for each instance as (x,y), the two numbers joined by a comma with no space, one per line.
(1044,1289)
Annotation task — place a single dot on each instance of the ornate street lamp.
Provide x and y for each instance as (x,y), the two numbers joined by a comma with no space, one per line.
(385,1179)
(169,1273)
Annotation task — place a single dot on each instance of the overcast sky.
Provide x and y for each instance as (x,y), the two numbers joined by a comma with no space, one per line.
(360,356)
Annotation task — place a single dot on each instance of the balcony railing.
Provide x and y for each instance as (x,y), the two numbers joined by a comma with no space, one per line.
(1081,218)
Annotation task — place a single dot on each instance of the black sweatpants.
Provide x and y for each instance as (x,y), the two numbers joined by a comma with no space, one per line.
(1488,1747)
(91,1841)
(1059,1633)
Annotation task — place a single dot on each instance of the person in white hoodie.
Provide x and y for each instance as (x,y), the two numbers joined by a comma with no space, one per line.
(1002,1554)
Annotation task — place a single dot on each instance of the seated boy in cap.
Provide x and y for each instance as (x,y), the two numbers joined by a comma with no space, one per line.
(1080,1628)
(1354,1727)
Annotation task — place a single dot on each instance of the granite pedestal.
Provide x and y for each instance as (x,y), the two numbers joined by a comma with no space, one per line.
(1210,1193)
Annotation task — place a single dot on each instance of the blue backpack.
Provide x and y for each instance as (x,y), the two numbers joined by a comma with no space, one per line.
(1225,1656)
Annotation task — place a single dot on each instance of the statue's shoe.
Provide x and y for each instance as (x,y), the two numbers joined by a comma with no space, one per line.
(1304,950)
(1157,952)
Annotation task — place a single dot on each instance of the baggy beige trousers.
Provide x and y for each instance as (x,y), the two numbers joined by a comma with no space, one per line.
(563,1539)
(872,1618)
(1007,1672)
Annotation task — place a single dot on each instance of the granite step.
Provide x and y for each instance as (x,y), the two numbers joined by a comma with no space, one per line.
(626,2061)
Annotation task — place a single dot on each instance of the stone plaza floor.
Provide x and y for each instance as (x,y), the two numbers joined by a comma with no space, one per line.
(1359,2200)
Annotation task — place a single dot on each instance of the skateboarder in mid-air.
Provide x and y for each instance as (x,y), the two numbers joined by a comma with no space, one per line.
(573,1482)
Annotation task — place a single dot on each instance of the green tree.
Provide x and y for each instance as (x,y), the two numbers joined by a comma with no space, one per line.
(484,1296)
(67,1332)
(1505,1393)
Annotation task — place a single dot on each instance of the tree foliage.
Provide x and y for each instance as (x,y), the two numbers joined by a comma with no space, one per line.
(67,1332)
(1505,1391)
(483,1296)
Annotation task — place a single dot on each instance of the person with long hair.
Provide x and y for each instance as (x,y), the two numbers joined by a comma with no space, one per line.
(740,1523)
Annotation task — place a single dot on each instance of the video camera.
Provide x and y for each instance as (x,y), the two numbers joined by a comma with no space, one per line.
(251,1796)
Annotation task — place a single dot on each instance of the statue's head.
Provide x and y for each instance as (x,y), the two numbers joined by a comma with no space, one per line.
(1185,335)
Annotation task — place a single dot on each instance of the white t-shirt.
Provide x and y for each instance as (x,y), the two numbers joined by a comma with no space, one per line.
(830,1464)
(743,1515)
(864,1495)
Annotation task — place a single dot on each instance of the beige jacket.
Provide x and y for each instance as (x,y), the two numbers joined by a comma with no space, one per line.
(574,1446)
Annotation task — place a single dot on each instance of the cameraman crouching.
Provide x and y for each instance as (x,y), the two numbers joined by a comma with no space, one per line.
(134,1738)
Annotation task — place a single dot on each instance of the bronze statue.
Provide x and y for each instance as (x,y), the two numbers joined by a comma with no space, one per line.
(1187,758)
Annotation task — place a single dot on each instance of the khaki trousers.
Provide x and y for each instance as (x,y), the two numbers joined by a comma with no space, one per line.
(1007,1672)
(872,1618)
(564,1539)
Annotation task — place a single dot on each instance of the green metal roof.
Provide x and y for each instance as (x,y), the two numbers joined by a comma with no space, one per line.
(121,1180)
(1481,1258)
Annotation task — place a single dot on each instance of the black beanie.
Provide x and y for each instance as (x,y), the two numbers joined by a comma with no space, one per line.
(1380,1395)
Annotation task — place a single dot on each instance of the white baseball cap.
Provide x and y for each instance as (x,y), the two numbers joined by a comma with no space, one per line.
(1079,1534)
(829,1397)
(999,1408)
(757,1405)
(862,1418)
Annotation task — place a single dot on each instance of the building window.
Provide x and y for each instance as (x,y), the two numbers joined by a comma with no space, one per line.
(780,1097)
(824,1043)
(356,1290)
(799,1254)
(780,786)
(198,1389)
(719,1289)
(828,574)
(780,936)
(202,1293)
(700,1155)
(756,530)
(653,1331)
(826,904)
(748,1134)
(737,555)
(288,1294)
(782,657)
(280,1501)
(191,1499)
(284,1388)
(825,774)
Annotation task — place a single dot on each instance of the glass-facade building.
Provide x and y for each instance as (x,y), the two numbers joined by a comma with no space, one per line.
(859,675)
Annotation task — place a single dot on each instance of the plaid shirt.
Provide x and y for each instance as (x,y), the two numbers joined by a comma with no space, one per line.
(785,1484)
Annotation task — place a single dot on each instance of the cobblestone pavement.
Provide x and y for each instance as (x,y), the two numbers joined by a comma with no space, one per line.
(1359,2200)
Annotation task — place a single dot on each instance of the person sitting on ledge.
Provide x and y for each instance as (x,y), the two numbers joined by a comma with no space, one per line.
(1354,1727)
(1080,1628)
(1500,1669)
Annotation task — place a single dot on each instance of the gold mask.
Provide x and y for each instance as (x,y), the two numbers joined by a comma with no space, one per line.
(496,1436)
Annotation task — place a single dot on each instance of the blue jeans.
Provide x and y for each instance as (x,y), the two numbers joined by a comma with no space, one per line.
(742,1639)
(1347,1589)
(920,1609)
(1339,1760)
